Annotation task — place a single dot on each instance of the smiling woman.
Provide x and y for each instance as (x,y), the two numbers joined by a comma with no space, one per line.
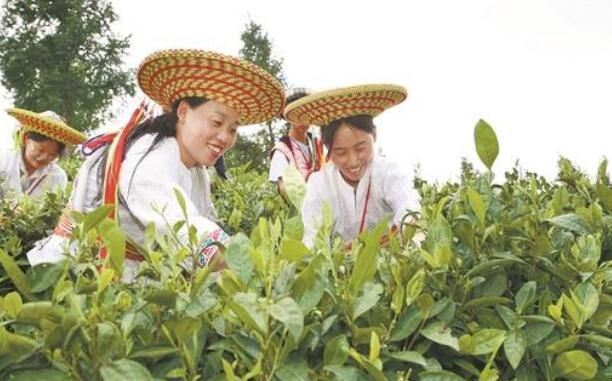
(153,163)
(360,187)
(31,168)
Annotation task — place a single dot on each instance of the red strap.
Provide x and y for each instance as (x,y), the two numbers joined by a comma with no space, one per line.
(113,164)
(93,144)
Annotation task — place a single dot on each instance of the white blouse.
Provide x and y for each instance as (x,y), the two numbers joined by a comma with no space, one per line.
(147,184)
(391,195)
(15,180)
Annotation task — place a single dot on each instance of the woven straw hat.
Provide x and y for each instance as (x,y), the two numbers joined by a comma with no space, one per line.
(169,75)
(47,123)
(322,108)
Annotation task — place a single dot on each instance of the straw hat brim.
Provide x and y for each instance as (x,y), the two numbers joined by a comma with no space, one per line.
(322,108)
(56,130)
(169,75)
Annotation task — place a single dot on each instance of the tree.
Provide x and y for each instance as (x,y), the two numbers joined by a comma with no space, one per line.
(255,147)
(62,55)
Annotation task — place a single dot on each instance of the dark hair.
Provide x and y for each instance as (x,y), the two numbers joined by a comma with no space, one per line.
(163,125)
(35,136)
(361,122)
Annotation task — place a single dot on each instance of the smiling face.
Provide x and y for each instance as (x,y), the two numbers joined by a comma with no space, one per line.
(39,154)
(351,152)
(205,132)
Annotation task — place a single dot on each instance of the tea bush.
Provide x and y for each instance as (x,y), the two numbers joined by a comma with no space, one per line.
(512,282)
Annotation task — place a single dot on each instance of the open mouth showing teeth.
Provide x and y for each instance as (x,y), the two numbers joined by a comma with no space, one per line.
(215,150)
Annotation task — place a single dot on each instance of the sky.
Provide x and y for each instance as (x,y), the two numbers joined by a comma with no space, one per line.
(538,71)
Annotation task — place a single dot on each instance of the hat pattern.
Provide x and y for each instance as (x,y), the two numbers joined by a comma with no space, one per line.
(46,125)
(169,75)
(324,107)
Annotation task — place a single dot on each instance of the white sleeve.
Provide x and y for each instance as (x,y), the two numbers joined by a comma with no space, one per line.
(150,190)
(210,207)
(312,209)
(60,180)
(278,164)
(399,192)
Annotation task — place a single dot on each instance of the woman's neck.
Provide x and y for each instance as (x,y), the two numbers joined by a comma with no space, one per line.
(350,182)
(297,135)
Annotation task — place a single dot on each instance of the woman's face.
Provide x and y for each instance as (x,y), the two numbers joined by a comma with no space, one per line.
(205,132)
(38,155)
(301,129)
(352,150)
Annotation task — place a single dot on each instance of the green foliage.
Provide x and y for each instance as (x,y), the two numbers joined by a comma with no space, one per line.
(257,48)
(252,150)
(244,198)
(71,164)
(23,222)
(512,281)
(63,56)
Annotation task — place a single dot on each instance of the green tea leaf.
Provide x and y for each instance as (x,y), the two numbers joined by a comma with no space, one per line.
(439,375)
(124,370)
(295,186)
(439,333)
(293,250)
(525,296)
(336,351)
(415,286)
(537,331)
(440,234)
(374,347)
(13,304)
(180,198)
(250,312)
(45,275)
(153,352)
(409,356)
(575,365)
(114,240)
(510,318)
(294,228)
(514,347)
(467,344)
(229,371)
(488,340)
(406,324)
(365,263)
(588,296)
(17,276)
(571,221)
(309,286)
(36,311)
(347,373)
(237,257)
(563,344)
(93,218)
(293,370)
(574,309)
(14,344)
(367,300)
(289,313)
(478,206)
(487,145)
(185,327)
(46,374)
